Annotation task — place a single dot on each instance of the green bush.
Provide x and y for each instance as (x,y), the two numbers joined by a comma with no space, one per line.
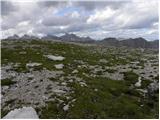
(7,82)
(130,77)
(145,83)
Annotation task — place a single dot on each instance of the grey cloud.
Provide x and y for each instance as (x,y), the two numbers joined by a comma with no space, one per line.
(82,27)
(52,30)
(19,15)
(91,5)
(67,19)
(7,7)
(142,23)
(56,21)
(74,26)
(48,4)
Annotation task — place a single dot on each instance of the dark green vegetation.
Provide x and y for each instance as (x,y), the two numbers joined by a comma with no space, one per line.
(102,97)
(7,82)
(130,77)
(107,102)
(4,112)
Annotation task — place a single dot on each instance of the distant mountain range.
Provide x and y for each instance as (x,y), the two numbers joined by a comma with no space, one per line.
(24,37)
(73,37)
(69,38)
(131,42)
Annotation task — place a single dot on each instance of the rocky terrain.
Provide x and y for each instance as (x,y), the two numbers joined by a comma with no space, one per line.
(75,80)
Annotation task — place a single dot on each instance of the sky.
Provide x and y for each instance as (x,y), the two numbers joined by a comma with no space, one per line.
(96,19)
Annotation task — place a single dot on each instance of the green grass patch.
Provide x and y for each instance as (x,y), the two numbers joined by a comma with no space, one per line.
(130,77)
(7,82)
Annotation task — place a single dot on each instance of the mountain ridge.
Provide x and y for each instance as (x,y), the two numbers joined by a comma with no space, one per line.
(109,41)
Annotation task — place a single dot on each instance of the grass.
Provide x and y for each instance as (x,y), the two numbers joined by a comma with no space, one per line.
(7,82)
(107,102)
(4,112)
(114,99)
(53,79)
(111,70)
(51,111)
(145,83)
(130,77)
(157,77)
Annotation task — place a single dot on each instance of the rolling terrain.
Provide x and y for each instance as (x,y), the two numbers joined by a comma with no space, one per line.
(76,80)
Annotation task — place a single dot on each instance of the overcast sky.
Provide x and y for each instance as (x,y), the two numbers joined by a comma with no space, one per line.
(121,19)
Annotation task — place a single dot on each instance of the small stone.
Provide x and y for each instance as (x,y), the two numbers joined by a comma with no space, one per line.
(63,83)
(138,84)
(82,84)
(59,66)
(96,90)
(66,107)
(73,100)
(22,52)
(75,71)
(55,58)
(33,64)
(67,97)
(71,81)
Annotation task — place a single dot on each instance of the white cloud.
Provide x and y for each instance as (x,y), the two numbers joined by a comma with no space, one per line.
(24,23)
(101,15)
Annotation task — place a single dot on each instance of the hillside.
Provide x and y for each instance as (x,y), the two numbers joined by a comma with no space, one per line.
(65,80)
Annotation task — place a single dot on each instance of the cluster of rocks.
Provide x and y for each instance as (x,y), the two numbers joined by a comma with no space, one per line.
(34,87)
